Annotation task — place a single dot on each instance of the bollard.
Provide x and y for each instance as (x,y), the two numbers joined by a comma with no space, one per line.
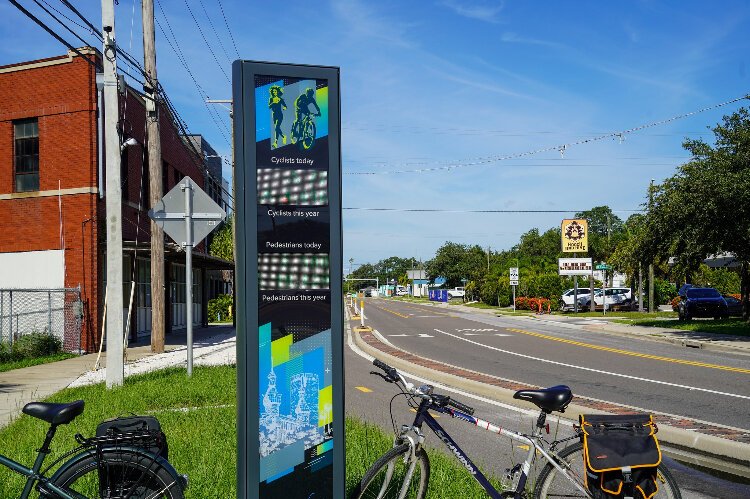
(362,314)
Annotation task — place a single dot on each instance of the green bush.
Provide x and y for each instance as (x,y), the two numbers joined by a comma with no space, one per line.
(220,308)
(724,280)
(30,346)
(488,291)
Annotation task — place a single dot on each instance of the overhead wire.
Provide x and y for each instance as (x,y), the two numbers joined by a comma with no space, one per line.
(221,126)
(213,54)
(215,33)
(221,7)
(177,119)
(445,210)
(562,148)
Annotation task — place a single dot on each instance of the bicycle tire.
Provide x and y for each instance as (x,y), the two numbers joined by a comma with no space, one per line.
(308,134)
(132,474)
(552,484)
(388,487)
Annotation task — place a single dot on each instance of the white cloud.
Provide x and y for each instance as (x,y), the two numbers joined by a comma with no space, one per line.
(487,11)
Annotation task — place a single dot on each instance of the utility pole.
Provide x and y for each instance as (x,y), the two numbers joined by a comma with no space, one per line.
(154,176)
(651,307)
(115,363)
(488,258)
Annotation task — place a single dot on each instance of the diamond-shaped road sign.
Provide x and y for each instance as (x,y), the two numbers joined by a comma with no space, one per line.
(187,198)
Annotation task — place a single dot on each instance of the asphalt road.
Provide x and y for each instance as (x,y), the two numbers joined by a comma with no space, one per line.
(442,334)
(652,376)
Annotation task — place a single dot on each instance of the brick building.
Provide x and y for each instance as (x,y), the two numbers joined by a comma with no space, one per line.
(52,197)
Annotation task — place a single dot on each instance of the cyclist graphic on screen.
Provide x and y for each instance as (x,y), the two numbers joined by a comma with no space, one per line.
(303,128)
(277,106)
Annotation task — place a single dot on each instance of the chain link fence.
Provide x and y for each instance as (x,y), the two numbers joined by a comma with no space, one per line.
(58,312)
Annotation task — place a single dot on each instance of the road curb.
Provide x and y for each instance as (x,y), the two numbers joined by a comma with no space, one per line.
(704,449)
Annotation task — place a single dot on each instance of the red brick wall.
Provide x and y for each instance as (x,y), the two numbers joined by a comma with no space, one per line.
(63,98)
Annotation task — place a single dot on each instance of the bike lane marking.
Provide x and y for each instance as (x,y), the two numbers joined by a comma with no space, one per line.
(590,369)
(631,353)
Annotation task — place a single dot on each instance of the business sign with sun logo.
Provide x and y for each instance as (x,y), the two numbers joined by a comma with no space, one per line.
(575,236)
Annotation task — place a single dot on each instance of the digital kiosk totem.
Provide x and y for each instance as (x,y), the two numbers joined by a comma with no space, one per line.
(289,274)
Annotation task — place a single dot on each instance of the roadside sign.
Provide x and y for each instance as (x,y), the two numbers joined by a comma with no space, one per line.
(574,266)
(574,236)
(169,213)
(513,276)
(187,215)
(603,266)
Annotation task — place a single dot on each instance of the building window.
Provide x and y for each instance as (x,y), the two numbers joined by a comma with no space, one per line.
(26,154)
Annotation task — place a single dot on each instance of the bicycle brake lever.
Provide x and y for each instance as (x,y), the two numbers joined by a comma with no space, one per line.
(385,377)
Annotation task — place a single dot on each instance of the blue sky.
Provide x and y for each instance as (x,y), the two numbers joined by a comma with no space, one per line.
(463,83)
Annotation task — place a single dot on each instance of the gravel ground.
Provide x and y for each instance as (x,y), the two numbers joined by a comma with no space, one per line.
(214,351)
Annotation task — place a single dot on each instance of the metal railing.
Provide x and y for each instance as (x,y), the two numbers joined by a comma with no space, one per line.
(57,312)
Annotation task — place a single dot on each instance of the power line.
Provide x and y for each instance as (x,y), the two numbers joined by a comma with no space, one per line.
(221,127)
(221,7)
(441,210)
(559,148)
(206,42)
(215,33)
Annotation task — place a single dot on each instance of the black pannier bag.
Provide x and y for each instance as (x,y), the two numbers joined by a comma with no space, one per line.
(134,431)
(621,455)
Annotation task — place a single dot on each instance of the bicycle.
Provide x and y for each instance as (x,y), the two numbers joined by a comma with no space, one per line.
(404,470)
(305,131)
(107,466)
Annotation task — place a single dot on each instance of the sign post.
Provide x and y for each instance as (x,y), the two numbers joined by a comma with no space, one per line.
(514,282)
(604,268)
(290,339)
(176,214)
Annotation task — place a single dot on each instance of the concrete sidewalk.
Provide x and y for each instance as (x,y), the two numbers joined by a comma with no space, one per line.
(21,386)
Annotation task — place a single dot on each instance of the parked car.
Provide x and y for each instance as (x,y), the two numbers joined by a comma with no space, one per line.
(401,291)
(568,297)
(734,306)
(702,302)
(616,299)
(457,292)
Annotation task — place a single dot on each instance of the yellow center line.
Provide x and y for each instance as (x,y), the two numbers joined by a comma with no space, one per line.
(633,354)
(394,312)
(363,389)
(427,310)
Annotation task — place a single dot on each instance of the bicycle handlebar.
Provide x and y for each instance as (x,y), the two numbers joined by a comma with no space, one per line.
(441,400)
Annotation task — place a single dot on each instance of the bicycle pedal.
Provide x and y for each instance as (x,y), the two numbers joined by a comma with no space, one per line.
(510,473)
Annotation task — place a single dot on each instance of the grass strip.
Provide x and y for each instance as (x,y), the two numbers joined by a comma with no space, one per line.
(46,359)
(199,416)
(734,327)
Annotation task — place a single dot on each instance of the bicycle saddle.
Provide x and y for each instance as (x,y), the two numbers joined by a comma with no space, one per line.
(54,414)
(555,398)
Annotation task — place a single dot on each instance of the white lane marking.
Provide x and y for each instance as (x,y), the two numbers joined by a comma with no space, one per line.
(398,335)
(476,330)
(354,348)
(425,335)
(666,383)
(428,316)
(501,334)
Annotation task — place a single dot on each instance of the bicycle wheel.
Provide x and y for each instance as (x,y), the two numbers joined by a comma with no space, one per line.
(395,475)
(119,474)
(308,134)
(551,483)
